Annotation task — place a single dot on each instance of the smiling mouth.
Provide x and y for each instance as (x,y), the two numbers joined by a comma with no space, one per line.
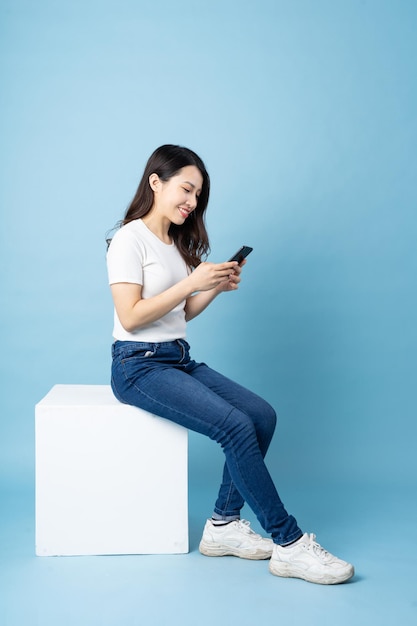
(184,212)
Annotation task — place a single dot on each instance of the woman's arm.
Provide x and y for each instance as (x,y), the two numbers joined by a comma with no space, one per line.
(134,311)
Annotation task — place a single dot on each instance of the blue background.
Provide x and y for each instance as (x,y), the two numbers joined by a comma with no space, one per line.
(305,114)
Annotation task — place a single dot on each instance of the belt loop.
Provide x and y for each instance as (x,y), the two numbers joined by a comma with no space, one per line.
(181,345)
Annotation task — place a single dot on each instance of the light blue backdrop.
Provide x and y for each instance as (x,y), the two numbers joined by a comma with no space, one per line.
(305,113)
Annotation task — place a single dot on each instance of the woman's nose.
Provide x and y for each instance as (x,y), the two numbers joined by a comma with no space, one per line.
(192,202)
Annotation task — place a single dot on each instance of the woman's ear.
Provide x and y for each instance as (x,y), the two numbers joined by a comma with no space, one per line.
(154,182)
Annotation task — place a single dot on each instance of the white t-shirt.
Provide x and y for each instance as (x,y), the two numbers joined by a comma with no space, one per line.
(138,256)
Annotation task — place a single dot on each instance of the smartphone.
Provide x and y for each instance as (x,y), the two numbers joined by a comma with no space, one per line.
(241,254)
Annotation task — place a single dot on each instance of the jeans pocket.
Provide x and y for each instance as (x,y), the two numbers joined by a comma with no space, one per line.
(138,354)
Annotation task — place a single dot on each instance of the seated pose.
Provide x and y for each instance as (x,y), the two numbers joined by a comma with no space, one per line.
(159,282)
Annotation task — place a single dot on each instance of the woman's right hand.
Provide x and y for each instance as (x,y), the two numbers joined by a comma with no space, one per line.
(209,275)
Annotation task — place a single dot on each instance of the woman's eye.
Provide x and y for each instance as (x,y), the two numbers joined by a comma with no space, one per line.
(187,190)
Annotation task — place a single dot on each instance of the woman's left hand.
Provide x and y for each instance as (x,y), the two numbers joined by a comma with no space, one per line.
(200,301)
(232,282)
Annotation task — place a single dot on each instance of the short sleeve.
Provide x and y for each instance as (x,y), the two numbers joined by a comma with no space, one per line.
(125,258)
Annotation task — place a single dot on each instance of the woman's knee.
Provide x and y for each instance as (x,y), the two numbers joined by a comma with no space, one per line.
(265,419)
(271,418)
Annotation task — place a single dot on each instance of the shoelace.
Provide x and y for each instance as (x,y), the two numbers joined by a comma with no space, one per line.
(244,525)
(316,547)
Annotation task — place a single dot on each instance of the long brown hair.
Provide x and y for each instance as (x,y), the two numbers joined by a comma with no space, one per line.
(191,238)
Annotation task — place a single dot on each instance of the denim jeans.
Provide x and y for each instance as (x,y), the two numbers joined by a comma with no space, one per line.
(162,378)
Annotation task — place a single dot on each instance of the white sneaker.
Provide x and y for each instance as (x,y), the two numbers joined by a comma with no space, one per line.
(234,539)
(306,559)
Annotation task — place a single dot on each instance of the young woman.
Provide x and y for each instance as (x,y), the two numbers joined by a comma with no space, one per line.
(159,282)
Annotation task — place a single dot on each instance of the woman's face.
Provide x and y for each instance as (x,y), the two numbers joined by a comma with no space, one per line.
(177,198)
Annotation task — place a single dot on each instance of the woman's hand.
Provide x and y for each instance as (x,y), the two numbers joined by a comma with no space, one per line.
(233,280)
(226,279)
(219,276)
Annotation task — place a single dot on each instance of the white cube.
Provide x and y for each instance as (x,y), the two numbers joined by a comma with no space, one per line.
(110,478)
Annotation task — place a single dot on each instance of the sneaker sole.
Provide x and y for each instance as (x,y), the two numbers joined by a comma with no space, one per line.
(287,571)
(216,549)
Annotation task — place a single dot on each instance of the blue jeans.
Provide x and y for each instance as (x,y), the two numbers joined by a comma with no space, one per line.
(162,378)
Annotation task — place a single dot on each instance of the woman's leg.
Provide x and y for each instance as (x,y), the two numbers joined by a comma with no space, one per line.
(229,501)
(160,378)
